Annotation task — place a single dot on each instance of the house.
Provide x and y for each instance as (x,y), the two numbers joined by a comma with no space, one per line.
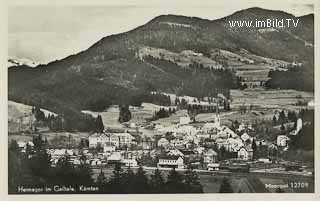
(245,153)
(175,152)
(109,147)
(97,139)
(245,137)
(298,128)
(187,153)
(177,143)
(123,139)
(282,140)
(210,156)
(114,158)
(23,145)
(130,162)
(168,161)
(213,166)
(163,142)
(117,139)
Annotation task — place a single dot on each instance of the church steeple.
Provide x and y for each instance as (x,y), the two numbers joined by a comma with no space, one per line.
(217,117)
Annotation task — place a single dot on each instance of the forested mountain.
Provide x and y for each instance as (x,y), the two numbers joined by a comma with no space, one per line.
(110,72)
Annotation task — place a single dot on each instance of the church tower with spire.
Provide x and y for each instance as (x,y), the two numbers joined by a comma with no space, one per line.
(217,116)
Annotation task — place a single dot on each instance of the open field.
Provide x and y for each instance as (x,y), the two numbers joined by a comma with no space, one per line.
(139,114)
(183,59)
(18,110)
(272,99)
(63,137)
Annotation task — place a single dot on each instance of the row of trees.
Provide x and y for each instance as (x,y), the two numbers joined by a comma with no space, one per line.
(292,116)
(34,169)
(163,113)
(298,78)
(138,182)
(158,99)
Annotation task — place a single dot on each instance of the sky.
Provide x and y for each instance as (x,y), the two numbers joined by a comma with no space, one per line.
(45,33)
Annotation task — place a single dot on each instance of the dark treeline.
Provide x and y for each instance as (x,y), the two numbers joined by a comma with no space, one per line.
(163,113)
(298,78)
(158,99)
(128,181)
(305,138)
(292,116)
(33,169)
(69,122)
(197,80)
(124,114)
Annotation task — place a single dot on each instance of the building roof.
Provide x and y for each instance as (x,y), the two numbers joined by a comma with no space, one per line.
(186,151)
(211,152)
(169,157)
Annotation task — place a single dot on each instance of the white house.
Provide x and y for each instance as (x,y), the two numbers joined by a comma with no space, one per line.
(245,137)
(97,139)
(130,162)
(299,127)
(163,142)
(177,143)
(282,140)
(116,139)
(175,152)
(170,162)
(245,153)
(23,145)
(123,138)
(213,166)
(115,157)
(109,147)
(210,156)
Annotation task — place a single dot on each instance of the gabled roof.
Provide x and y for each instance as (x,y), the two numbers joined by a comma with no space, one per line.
(186,151)
(169,157)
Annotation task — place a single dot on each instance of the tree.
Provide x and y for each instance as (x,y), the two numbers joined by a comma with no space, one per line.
(225,186)
(128,181)
(101,181)
(174,182)
(116,181)
(141,183)
(99,127)
(157,182)
(282,117)
(124,114)
(192,183)
(274,121)
(254,148)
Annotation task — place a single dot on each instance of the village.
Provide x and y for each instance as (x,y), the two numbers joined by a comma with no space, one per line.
(210,146)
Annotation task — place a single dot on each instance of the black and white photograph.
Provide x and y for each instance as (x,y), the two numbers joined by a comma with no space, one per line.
(161,99)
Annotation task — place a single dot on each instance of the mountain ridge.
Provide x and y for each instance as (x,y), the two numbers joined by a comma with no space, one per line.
(101,74)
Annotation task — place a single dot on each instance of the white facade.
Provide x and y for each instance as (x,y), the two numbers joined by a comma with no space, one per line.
(109,147)
(130,162)
(245,154)
(174,162)
(245,137)
(163,142)
(282,140)
(116,139)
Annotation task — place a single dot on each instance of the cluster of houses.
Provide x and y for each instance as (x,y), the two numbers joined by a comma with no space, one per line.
(176,145)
